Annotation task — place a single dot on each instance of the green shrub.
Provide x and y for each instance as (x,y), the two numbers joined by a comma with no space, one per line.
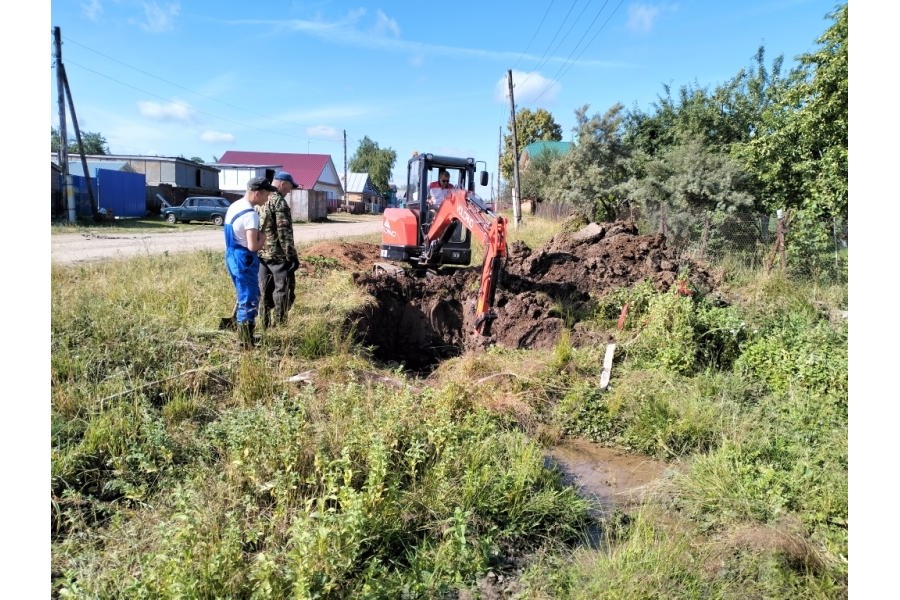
(121,453)
(666,340)
(796,353)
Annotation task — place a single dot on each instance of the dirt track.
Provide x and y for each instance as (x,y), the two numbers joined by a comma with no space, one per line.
(98,245)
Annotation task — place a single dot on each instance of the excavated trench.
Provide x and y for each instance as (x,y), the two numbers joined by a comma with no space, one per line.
(419,321)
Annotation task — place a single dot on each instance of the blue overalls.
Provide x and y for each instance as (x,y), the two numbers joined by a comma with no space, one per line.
(243,266)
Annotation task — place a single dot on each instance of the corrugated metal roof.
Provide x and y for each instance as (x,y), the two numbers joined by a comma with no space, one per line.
(356,183)
(76,168)
(539,147)
(306,169)
(54,158)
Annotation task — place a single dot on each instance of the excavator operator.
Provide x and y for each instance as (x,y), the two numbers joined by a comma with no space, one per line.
(438,190)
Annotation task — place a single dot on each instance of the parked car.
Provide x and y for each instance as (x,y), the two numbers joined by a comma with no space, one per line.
(208,209)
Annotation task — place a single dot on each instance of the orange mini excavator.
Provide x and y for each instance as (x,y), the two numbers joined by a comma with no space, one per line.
(434,227)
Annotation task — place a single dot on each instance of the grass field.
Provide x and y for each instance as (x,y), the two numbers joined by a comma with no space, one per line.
(182,467)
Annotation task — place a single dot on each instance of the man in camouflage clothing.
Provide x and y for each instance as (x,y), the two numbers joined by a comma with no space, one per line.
(278,259)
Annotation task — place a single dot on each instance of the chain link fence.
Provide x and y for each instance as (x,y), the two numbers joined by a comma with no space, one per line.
(809,249)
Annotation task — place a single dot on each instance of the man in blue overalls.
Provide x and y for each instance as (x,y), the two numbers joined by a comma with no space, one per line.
(243,239)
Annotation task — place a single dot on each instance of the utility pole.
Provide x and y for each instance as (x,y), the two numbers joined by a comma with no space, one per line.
(346,197)
(517,210)
(63,84)
(63,150)
(499,157)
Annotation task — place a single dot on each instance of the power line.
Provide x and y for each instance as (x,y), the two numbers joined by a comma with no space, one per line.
(601,28)
(194,92)
(572,26)
(572,58)
(537,29)
(143,91)
(543,60)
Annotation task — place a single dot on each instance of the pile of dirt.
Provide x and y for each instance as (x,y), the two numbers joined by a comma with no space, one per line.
(419,320)
(353,256)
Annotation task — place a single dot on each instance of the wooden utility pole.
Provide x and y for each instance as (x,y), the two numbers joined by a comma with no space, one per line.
(63,150)
(346,196)
(63,84)
(517,209)
(499,158)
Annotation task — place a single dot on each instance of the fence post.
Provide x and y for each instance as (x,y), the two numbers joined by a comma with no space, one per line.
(704,237)
(778,248)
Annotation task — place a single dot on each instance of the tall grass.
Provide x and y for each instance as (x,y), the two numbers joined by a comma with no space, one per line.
(184,467)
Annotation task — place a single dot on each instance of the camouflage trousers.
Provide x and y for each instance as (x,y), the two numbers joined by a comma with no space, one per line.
(277,292)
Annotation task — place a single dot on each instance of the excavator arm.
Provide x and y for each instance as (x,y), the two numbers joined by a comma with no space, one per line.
(464,207)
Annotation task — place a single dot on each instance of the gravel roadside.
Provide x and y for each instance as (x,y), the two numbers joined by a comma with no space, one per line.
(92,246)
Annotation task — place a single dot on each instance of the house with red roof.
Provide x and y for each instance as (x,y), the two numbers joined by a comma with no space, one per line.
(313,172)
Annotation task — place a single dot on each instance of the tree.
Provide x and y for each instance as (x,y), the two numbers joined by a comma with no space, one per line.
(682,186)
(721,120)
(537,179)
(530,127)
(375,161)
(589,175)
(94,143)
(54,139)
(800,156)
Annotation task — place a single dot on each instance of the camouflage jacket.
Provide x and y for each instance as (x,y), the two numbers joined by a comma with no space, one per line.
(276,222)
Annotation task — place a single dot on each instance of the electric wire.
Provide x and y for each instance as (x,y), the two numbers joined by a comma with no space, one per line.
(194,92)
(536,31)
(573,58)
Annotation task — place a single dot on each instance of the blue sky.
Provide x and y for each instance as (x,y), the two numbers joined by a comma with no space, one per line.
(199,78)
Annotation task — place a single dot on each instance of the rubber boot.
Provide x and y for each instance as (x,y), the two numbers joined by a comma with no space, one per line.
(245,336)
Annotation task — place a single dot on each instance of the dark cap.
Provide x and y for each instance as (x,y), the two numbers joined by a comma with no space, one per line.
(260,183)
(285,176)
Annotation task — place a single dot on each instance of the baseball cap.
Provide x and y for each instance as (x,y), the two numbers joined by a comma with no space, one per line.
(260,183)
(285,176)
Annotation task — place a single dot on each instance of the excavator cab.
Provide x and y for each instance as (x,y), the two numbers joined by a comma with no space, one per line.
(405,229)
(428,237)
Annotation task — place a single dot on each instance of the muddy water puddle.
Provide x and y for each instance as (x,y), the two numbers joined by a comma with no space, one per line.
(611,478)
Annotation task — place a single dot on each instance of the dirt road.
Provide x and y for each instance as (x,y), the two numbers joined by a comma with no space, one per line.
(97,245)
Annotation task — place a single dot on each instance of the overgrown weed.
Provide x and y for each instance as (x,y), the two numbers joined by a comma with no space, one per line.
(181,465)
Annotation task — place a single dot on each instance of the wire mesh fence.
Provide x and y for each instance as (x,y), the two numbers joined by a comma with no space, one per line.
(811,248)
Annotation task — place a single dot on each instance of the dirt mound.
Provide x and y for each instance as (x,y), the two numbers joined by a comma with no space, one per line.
(421,320)
(355,256)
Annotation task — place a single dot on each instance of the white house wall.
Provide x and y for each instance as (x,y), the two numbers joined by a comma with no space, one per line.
(234,179)
(330,183)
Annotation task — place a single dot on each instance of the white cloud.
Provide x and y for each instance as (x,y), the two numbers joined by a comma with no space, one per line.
(216,136)
(325,132)
(92,9)
(529,88)
(385,24)
(159,18)
(641,17)
(173,111)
